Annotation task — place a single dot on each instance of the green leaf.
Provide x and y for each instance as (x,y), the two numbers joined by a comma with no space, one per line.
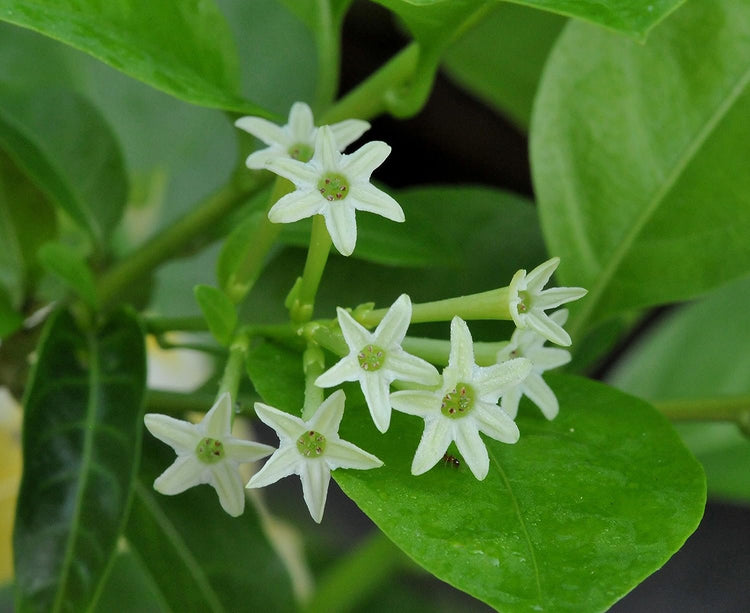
(194,555)
(500,60)
(81,442)
(276,373)
(639,159)
(570,518)
(184,49)
(74,159)
(444,226)
(66,264)
(695,354)
(27,220)
(219,312)
(10,319)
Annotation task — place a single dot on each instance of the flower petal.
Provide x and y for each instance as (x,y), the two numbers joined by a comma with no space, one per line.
(246,451)
(315,476)
(227,482)
(326,154)
(301,123)
(541,395)
(296,206)
(539,277)
(218,421)
(555,296)
(472,449)
(347,131)
(301,174)
(461,357)
(284,462)
(355,334)
(259,159)
(372,200)
(546,358)
(286,425)
(178,434)
(415,402)
(364,160)
(184,473)
(346,369)
(496,423)
(267,131)
(492,381)
(540,322)
(343,454)
(342,226)
(392,328)
(375,388)
(436,437)
(328,415)
(407,367)
(509,403)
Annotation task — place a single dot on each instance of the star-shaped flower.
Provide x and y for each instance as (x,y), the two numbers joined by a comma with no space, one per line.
(295,140)
(206,453)
(334,185)
(310,449)
(464,406)
(527,301)
(529,344)
(376,360)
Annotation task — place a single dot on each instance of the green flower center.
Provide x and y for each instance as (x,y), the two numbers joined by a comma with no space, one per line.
(210,450)
(301,151)
(311,444)
(371,358)
(458,402)
(525,303)
(333,187)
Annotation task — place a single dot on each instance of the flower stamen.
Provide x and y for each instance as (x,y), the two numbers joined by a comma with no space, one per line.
(210,450)
(333,187)
(311,444)
(458,402)
(371,358)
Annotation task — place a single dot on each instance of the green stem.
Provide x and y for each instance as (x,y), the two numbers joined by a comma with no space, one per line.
(159,325)
(235,367)
(246,273)
(486,305)
(733,408)
(357,576)
(169,242)
(320,246)
(437,351)
(313,365)
(368,99)
(328,55)
(177,403)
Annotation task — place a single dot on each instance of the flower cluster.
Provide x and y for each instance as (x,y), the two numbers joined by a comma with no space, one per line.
(466,399)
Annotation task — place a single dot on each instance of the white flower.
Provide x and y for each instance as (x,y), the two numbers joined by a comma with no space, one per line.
(296,139)
(334,185)
(465,405)
(206,453)
(310,449)
(376,359)
(528,302)
(528,344)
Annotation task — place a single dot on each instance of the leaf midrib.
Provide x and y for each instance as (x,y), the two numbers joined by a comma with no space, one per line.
(618,255)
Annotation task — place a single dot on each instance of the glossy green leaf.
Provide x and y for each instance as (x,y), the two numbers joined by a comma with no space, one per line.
(276,373)
(570,518)
(218,310)
(194,555)
(66,264)
(443,228)
(184,49)
(81,443)
(696,354)
(10,319)
(633,17)
(639,159)
(500,59)
(74,159)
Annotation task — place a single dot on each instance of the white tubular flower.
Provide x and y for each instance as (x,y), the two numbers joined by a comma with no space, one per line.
(529,344)
(376,360)
(464,406)
(206,453)
(295,140)
(528,302)
(334,185)
(310,449)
